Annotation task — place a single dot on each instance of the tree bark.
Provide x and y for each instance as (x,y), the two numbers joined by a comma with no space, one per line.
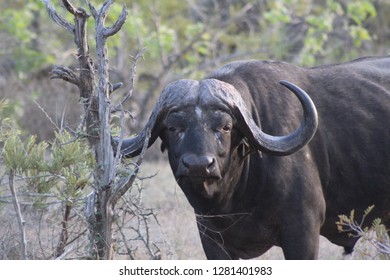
(100,205)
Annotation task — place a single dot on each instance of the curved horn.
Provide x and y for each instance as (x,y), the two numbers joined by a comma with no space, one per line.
(172,95)
(274,145)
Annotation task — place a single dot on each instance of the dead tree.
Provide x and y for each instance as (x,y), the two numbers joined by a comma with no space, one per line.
(92,79)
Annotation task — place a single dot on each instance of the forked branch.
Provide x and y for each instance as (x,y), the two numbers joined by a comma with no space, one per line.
(57,18)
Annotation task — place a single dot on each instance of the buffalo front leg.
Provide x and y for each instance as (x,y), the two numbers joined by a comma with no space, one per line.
(300,241)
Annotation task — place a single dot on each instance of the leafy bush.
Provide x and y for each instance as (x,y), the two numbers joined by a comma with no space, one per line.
(377,235)
(51,181)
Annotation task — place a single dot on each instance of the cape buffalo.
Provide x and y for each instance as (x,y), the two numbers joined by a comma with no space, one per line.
(264,167)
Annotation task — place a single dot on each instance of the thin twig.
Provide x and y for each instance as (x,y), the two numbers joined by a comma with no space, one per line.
(69,7)
(47,115)
(57,18)
(133,74)
(91,8)
(123,235)
(110,31)
(19,215)
(120,190)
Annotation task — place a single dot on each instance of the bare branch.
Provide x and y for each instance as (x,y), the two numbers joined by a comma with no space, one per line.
(84,82)
(57,18)
(69,7)
(47,115)
(74,11)
(157,24)
(114,87)
(133,74)
(103,11)
(101,14)
(92,9)
(129,251)
(110,31)
(66,74)
(118,156)
(19,215)
(121,189)
(64,235)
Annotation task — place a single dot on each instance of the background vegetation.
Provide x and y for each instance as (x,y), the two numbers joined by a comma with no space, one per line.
(178,39)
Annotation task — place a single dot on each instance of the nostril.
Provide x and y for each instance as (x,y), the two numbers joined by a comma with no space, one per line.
(185,163)
(210,162)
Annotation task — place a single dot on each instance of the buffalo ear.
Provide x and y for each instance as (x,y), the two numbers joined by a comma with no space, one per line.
(244,149)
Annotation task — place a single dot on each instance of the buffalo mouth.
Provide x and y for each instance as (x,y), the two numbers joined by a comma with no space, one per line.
(206,186)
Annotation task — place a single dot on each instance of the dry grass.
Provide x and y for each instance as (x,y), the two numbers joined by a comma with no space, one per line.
(175,234)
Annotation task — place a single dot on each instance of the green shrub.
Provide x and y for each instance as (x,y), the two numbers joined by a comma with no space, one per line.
(377,235)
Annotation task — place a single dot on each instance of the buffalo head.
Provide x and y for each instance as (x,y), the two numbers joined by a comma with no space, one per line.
(208,129)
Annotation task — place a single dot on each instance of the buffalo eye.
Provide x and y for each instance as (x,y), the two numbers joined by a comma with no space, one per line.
(226,128)
(172,129)
(175,130)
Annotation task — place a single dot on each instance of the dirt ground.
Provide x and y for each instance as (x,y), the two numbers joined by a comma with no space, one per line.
(176,217)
